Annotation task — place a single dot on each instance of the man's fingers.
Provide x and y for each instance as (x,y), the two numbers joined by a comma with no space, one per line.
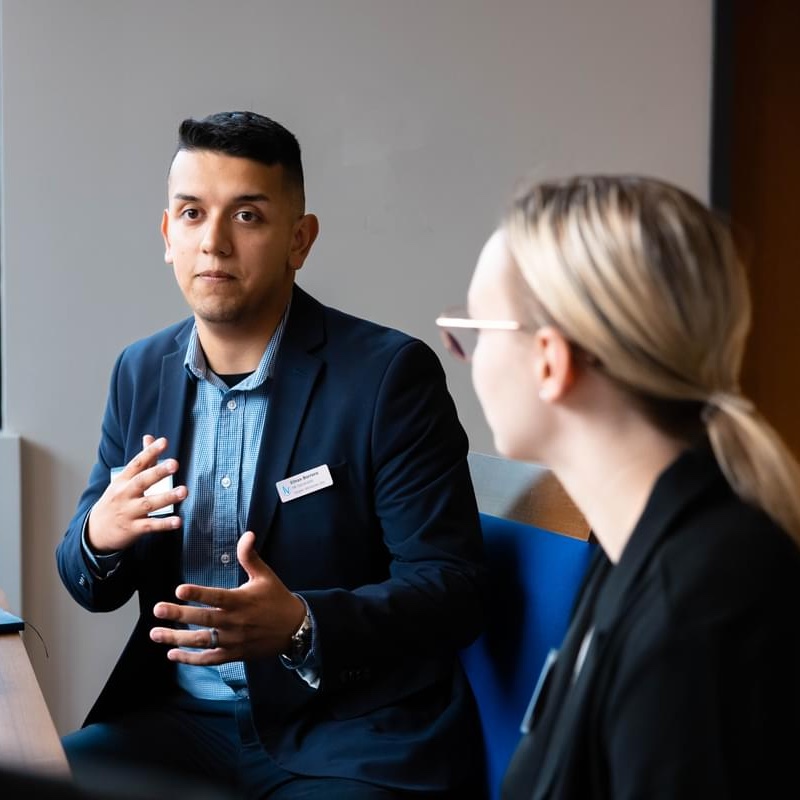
(203,658)
(152,450)
(155,524)
(142,481)
(144,495)
(207,596)
(151,501)
(146,458)
(201,638)
(211,600)
(188,615)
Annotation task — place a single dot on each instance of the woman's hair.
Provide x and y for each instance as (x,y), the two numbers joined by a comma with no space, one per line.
(645,279)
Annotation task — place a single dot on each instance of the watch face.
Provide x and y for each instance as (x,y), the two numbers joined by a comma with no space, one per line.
(301,641)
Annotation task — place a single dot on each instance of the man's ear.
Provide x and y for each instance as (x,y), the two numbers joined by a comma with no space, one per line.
(165,234)
(303,236)
(554,363)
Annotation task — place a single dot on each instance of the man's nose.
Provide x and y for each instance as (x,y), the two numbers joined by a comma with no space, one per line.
(216,237)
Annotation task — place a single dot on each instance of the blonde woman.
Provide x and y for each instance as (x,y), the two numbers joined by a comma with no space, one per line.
(612,314)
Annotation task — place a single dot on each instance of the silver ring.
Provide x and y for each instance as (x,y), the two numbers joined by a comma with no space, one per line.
(214,638)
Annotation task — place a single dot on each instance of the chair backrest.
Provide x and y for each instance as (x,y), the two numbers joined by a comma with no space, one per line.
(537,549)
(525,492)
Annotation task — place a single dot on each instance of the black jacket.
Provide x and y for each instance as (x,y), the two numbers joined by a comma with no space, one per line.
(690,687)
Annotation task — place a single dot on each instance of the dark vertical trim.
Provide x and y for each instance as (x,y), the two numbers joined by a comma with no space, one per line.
(722,105)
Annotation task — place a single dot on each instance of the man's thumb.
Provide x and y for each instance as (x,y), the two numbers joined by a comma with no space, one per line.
(248,557)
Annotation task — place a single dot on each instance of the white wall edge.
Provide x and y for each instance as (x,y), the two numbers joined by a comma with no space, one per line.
(11,521)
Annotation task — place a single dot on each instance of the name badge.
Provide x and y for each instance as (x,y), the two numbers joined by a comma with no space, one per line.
(164,485)
(312,480)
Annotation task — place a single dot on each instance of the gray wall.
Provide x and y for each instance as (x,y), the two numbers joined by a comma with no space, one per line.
(415,117)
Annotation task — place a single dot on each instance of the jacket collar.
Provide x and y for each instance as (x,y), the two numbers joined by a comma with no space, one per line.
(173,392)
(296,371)
(675,492)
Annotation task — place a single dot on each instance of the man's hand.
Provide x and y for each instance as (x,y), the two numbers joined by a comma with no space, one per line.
(119,517)
(256,619)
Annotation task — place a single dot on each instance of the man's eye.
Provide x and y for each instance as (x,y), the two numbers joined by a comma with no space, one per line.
(190,213)
(246,216)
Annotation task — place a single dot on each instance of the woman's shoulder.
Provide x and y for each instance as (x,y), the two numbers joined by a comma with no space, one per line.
(726,557)
(723,589)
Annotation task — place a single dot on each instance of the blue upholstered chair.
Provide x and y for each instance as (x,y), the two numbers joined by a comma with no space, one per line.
(537,550)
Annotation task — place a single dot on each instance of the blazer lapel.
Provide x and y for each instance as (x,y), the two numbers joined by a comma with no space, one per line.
(672,495)
(561,741)
(171,415)
(566,698)
(173,396)
(296,372)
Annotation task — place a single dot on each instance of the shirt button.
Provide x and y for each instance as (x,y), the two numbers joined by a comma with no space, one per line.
(231,405)
(225,558)
(226,482)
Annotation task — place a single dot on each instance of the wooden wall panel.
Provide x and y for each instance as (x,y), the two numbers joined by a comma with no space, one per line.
(765,199)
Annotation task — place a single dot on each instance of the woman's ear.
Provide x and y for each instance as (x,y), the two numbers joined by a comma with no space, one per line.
(554,363)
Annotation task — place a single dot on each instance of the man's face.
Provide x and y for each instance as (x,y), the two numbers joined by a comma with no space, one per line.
(235,235)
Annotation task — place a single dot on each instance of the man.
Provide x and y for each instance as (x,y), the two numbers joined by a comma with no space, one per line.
(293,508)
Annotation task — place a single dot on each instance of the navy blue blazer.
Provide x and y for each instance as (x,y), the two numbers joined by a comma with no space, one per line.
(389,558)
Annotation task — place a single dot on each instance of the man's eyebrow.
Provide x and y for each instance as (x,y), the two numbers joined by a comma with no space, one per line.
(252,198)
(242,198)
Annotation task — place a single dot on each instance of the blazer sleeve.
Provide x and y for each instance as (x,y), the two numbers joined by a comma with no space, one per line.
(93,593)
(433,600)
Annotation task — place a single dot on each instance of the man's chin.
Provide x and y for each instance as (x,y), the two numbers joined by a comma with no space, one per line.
(218,315)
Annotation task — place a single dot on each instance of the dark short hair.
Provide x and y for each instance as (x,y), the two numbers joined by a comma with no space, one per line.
(245,134)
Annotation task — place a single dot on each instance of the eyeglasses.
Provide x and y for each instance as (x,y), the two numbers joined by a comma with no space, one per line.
(460,332)
(460,335)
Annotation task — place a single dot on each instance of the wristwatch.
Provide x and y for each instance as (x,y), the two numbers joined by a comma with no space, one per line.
(300,644)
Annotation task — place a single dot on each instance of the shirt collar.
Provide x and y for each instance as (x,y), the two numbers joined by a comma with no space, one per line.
(195,360)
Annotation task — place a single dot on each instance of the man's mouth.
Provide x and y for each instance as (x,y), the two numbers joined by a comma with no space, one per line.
(215,275)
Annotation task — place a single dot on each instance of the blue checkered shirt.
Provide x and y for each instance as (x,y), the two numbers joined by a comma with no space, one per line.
(225,428)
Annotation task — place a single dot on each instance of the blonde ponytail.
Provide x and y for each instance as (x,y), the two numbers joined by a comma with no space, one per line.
(754,459)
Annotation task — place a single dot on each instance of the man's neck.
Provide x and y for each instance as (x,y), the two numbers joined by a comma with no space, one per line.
(230,349)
